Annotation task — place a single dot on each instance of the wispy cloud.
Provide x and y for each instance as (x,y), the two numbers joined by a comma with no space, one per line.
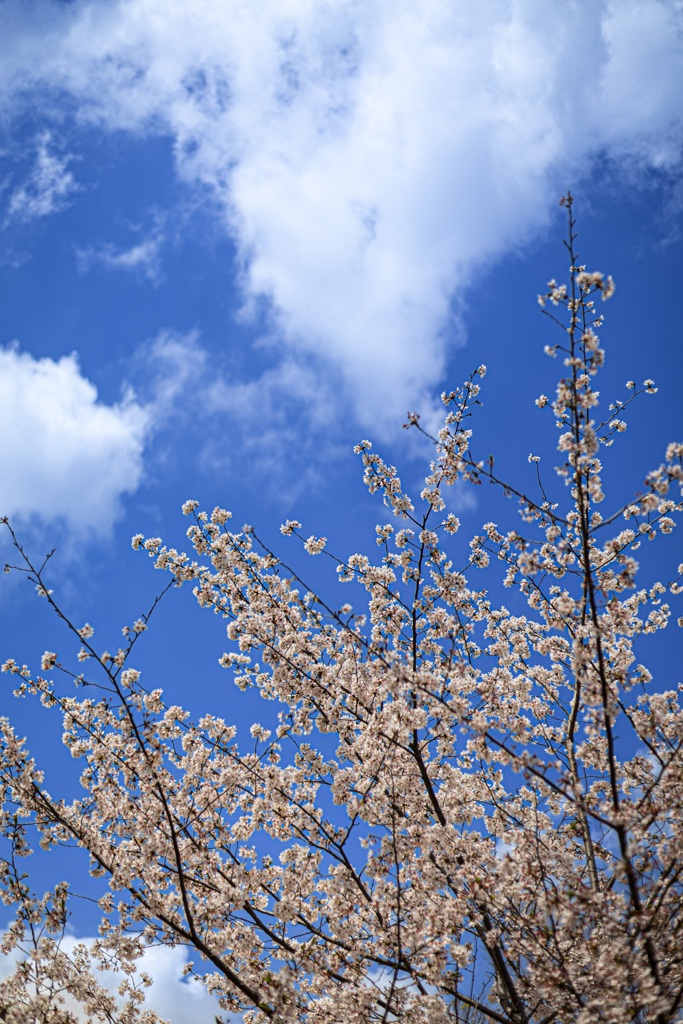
(369,160)
(142,258)
(286,420)
(48,188)
(167,368)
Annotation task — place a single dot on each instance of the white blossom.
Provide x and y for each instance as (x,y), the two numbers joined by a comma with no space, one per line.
(454,808)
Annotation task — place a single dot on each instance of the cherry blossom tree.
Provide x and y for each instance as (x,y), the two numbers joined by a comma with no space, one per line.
(457,812)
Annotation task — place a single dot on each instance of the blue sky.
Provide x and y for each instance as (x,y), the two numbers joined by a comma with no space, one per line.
(237,238)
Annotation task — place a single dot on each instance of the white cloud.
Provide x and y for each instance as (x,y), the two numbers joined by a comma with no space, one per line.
(370,159)
(174,997)
(47,189)
(68,457)
(65,455)
(142,258)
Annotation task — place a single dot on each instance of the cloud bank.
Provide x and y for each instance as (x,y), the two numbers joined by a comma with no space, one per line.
(367,159)
(65,455)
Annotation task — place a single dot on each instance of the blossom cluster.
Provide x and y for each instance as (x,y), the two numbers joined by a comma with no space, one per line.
(454,809)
